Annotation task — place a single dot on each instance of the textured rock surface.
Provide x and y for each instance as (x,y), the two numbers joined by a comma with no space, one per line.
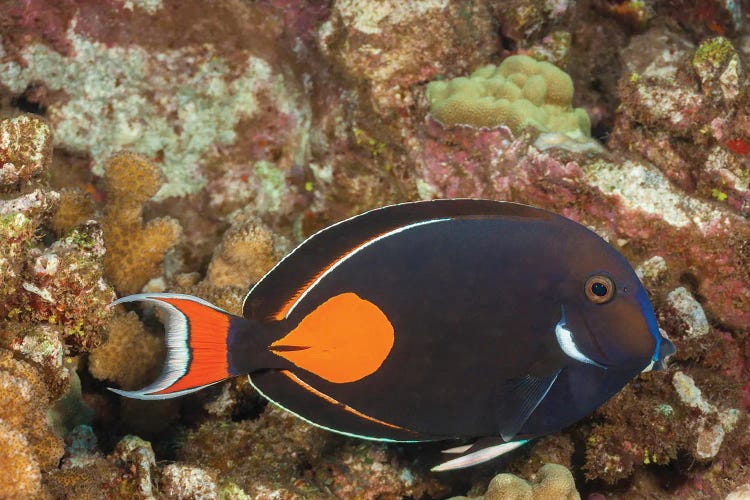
(52,302)
(271,119)
(25,149)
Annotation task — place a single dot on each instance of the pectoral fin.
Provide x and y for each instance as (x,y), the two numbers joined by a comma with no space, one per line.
(517,399)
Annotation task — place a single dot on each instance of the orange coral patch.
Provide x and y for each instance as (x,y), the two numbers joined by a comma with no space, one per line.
(207,330)
(343,340)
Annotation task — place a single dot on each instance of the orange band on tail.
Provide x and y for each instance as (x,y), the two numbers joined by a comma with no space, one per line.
(207,338)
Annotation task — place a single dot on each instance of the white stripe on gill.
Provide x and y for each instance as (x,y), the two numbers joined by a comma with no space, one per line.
(568,345)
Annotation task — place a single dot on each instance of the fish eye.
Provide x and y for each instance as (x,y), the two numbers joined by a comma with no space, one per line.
(600,289)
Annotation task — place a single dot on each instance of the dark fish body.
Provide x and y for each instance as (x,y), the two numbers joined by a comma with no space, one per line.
(431,320)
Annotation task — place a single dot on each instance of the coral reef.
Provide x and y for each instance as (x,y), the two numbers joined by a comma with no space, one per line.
(183,482)
(21,477)
(270,119)
(59,284)
(689,119)
(373,43)
(551,481)
(24,408)
(520,92)
(134,250)
(73,209)
(52,304)
(243,451)
(63,286)
(173,104)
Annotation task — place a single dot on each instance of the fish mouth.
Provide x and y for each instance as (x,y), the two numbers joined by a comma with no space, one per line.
(666,350)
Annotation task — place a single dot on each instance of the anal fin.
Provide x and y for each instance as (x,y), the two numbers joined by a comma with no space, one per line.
(482,451)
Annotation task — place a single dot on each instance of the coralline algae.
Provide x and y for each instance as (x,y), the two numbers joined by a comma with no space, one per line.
(275,118)
(141,102)
(689,311)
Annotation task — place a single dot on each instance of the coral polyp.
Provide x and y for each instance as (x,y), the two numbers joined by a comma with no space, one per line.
(519,92)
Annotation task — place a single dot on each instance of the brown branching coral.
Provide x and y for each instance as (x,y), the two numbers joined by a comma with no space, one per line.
(75,208)
(130,355)
(248,250)
(21,475)
(135,250)
(28,446)
(36,354)
(23,407)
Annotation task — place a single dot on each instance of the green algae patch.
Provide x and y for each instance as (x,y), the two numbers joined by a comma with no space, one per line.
(273,185)
(715,52)
(521,92)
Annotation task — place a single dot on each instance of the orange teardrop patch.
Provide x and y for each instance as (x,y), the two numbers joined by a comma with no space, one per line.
(344,339)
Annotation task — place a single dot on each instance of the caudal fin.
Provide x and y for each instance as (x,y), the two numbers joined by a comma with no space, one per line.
(197,334)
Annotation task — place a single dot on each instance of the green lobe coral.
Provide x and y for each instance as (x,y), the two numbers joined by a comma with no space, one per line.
(520,92)
(550,482)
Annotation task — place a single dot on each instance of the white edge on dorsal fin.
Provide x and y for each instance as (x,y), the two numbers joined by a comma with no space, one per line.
(349,219)
(479,456)
(342,258)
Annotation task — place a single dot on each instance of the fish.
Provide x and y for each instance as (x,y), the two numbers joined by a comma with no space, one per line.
(428,321)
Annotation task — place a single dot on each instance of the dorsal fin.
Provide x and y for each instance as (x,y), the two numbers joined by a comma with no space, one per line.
(268,298)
